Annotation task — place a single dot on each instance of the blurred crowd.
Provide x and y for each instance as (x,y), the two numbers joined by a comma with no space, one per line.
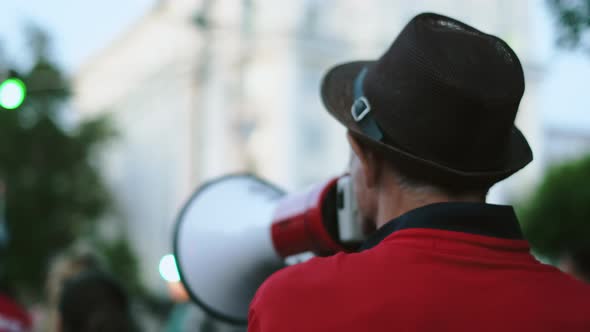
(80,296)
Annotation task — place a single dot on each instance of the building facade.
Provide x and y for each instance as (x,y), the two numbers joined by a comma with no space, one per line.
(203,88)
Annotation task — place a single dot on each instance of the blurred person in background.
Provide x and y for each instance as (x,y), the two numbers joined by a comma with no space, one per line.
(65,266)
(93,301)
(431,127)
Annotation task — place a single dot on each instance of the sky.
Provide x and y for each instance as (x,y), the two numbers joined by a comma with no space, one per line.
(79,27)
(82,28)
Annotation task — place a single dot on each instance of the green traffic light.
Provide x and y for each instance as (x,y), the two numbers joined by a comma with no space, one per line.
(12,93)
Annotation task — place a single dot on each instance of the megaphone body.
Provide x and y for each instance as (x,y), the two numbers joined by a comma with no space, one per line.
(237,230)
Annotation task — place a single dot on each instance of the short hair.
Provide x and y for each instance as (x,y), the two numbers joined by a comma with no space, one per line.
(93,302)
(415,182)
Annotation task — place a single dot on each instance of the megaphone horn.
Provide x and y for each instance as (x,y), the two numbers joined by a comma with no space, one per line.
(237,230)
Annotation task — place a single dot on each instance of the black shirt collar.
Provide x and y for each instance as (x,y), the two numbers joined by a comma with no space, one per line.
(474,218)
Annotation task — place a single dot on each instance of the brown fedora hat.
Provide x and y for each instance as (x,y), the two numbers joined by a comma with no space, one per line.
(440,103)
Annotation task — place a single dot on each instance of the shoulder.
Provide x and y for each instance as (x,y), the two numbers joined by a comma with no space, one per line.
(309,290)
(303,281)
(289,292)
(295,278)
(316,277)
(559,293)
(573,289)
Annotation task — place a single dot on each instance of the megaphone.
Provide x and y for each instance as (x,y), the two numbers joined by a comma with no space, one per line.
(237,230)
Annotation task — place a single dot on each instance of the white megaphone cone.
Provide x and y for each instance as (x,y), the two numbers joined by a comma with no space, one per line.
(237,230)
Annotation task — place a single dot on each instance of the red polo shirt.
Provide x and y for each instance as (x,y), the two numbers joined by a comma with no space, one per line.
(444,267)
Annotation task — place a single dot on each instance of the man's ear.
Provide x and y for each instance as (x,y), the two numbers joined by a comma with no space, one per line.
(370,163)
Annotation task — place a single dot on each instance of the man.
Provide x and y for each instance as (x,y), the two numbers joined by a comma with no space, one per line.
(431,125)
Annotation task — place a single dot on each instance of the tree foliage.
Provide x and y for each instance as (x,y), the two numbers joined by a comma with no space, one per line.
(557,217)
(573,18)
(54,191)
(122,262)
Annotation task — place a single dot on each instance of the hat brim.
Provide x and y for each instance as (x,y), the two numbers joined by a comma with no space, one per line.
(337,96)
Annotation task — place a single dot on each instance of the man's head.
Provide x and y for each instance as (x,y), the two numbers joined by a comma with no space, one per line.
(384,191)
(432,120)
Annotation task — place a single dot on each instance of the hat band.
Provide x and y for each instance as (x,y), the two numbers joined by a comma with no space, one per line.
(361,110)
